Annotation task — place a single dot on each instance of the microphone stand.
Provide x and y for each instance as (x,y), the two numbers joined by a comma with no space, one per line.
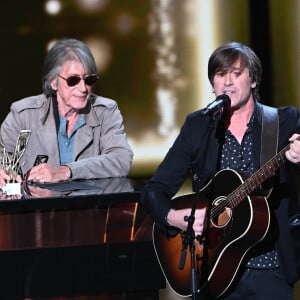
(189,235)
(188,242)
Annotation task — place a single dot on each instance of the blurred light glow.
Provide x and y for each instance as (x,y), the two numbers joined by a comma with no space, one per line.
(124,23)
(167,110)
(162,29)
(53,7)
(207,41)
(149,151)
(154,145)
(101,50)
(201,26)
(50,44)
(91,5)
(24,29)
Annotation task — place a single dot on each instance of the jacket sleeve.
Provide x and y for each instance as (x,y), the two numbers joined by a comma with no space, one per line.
(170,175)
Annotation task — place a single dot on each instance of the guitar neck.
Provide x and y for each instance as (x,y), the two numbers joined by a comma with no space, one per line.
(257,178)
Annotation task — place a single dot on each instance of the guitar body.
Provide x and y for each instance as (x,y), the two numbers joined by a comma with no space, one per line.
(220,252)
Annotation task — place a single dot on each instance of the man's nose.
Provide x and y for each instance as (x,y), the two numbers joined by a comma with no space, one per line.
(228,79)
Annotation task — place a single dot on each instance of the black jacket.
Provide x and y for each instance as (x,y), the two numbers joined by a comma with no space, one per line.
(196,151)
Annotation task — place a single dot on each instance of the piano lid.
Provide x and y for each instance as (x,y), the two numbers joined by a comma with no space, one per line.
(75,193)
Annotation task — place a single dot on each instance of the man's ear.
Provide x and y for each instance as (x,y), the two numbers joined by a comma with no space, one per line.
(253,84)
(53,84)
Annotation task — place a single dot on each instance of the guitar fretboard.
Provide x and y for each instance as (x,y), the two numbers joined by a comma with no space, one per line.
(257,178)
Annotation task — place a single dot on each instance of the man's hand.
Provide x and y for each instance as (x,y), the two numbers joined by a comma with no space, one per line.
(176,218)
(293,154)
(47,173)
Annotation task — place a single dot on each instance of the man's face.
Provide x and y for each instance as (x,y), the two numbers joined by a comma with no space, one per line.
(236,83)
(71,97)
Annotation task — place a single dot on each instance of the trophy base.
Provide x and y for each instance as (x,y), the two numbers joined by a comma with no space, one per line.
(12,188)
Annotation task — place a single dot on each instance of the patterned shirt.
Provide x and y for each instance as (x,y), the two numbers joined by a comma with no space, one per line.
(238,157)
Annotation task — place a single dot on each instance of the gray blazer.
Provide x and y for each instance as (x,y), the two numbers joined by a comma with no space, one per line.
(101,149)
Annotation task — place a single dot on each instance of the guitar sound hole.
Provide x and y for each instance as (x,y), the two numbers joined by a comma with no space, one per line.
(220,215)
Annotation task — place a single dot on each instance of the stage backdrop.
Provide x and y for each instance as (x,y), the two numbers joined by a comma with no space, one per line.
(151,56)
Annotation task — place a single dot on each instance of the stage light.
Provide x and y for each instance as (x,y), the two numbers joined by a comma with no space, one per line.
(101,50)
(92,5)
(124,23)
(53,7)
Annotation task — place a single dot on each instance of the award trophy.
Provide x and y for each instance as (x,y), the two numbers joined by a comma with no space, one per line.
(10,163)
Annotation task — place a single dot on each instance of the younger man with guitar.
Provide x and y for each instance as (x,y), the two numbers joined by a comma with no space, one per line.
(243,219)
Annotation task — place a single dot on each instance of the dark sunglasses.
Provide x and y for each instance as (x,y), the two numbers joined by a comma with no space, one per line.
(74,80)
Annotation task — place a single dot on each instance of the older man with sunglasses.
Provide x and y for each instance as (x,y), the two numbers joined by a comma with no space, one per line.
(80,135)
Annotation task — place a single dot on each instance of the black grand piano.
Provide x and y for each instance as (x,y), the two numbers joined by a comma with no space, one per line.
(77,239)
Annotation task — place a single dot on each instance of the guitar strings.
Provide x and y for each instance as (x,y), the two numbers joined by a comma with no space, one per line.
(241,192)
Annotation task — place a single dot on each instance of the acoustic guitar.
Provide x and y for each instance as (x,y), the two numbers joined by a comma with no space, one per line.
(236,222)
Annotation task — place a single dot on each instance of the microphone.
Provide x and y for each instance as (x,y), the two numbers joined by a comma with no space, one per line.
(217,105)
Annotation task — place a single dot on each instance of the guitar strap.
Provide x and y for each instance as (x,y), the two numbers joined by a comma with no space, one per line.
(269,140)
(269,136)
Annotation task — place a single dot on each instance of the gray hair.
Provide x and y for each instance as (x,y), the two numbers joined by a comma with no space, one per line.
(64,50)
